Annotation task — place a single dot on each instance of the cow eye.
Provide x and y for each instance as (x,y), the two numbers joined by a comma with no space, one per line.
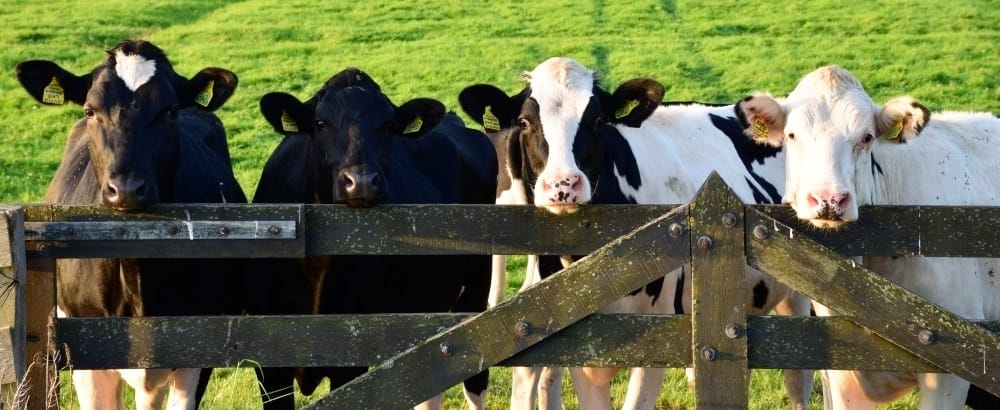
(791,135)
(318,123)
(89,112)
(523,122)
(867,138)
(172,112)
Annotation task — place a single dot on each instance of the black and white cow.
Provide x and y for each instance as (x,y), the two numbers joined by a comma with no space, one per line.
(349,144)
(571,143)
(843,151)
(148,136)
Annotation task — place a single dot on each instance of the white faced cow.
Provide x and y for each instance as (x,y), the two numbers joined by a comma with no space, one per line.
(843,151)
(571,143)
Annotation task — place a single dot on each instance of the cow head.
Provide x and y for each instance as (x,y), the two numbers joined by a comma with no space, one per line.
(354,127)
(553,129)
(830,126)
(131,103)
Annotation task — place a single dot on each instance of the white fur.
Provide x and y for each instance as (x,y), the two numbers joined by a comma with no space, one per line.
(135,70)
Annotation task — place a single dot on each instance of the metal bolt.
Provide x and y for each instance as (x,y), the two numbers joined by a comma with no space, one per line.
(273,230)
(761,232)
(445,349)
(676,230)
(926,337)
(172,231)
(709,353)
(729,219)
(119,232)
(522,328)
(223,231)
(734,331)
(704,243)
(44,248)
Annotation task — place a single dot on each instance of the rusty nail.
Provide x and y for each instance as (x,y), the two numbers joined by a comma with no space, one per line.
(926,337)
(522,328)
(729,219)
(273,230)
(119,232)
(445,348)
(676,230)
(734,331)
(704,243)
(172,231)
(709,353)
(760,232)
(223,231)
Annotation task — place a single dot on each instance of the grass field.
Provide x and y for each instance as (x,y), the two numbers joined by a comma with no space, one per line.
(941,52)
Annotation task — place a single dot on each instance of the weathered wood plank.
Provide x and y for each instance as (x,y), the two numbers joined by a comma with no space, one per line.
(607,274)
(877,304)
(158,230)
(718,290)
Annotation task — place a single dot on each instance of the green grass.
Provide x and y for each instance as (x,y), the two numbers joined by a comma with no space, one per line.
(941,52)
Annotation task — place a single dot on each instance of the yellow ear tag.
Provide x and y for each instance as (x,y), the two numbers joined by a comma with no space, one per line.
(490,121)
(759,129)
(53,93)
(414,126)
(287,123)
(897,128)
(626,109)
(205,96)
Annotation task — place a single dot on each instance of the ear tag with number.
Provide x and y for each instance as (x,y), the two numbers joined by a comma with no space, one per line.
(626,109)
(414,126)
(287,123)
(760,131)
(897,128)
(53,93)
(205,96)
(490,121)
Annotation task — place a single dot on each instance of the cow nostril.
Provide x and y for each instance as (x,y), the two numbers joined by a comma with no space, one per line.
(111,191)
(811,200)
(844,201)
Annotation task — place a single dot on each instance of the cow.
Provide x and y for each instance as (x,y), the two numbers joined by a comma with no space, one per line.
(148,136)
(349,144)
(571,143)
(843,151)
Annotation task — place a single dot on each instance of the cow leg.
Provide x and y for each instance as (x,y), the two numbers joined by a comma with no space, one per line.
(942,391)
(434,403)
(276,386)
(593,386)
(184,389)
(524,386)
(841,388)
(498,279)
(475,390)
(644,387)
(798,383)
(150,386)
(98,389)
(550,388)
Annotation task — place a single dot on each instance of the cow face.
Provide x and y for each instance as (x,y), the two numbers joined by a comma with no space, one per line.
(354,128)
(830,126)
(131,104)
(553,129)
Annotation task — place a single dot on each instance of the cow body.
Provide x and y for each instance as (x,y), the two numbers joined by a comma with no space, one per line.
(143,142)
(844,151)
(571,143)
(357,148)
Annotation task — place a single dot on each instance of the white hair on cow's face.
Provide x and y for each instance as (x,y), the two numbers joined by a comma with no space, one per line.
(134,69)
(829,80)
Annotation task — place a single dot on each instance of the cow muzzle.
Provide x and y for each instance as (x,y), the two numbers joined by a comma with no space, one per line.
(827,208)
(562,193)
(359,186)
(127,193)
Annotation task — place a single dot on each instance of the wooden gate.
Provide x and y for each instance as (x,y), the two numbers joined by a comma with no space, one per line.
(552,323)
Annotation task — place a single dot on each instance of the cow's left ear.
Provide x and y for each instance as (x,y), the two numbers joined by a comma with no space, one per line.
(417,116)
(634,101)
(209,89)
(901,119)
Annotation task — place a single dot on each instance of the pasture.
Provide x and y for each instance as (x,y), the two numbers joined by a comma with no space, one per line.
(941,53)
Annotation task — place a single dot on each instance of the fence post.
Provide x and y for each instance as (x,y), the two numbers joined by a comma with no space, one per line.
(718,321)
(41,376)
(12,278)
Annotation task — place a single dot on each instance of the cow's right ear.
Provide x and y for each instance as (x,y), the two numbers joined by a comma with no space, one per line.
(50,84)
(489,106)
(634,101)
(286,114)
(762,119)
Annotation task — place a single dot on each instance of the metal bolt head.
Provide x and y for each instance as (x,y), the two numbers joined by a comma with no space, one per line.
(273,230)
(761,232)
(445,348)
(926,337)
(734,331)
(676,230)
(709,353)
(172,231)
(704,243)
(119,232)
(729,219)
(223,231)
(522,328)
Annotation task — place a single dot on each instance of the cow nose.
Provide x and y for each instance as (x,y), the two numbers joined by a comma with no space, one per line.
(562,188)
(359,186)
(829,204)
(127,194)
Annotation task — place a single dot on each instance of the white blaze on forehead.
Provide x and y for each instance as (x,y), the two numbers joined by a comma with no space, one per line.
(135,70)
(562,87)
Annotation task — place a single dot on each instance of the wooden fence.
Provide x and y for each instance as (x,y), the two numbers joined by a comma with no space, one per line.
(552,323)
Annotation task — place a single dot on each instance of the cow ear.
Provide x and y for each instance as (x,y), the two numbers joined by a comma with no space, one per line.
(901,119)
(634,101)
(418,116)
(488,106)
(209,89)
(762,119)
(50,84)
(286,114)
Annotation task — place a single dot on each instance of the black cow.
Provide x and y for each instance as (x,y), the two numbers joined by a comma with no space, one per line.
(148,136)
(349,144)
